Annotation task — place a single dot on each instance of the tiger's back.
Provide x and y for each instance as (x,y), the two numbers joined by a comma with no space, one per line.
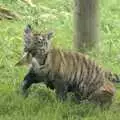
(75,68)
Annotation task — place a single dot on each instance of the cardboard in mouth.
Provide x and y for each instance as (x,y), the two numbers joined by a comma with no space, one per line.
(25,60)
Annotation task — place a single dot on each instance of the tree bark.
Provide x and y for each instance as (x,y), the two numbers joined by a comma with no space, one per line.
(86,24)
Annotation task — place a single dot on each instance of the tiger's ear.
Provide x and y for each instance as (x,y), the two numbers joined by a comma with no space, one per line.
(27,34)
(49,35)
(28,29)
(25,60)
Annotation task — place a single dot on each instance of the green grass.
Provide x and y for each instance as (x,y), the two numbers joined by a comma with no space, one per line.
(41,103)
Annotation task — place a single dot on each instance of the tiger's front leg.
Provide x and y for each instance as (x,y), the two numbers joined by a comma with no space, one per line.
(25,85)
(29,79)
(61,89)
(39,69)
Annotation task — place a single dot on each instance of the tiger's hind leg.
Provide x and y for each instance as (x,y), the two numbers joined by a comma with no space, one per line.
(78,98)
(104,95)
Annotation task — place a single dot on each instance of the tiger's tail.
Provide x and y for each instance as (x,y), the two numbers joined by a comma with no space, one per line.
(113,77)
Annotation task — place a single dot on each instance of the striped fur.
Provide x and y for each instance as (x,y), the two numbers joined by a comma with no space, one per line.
(66,71)
(78,73)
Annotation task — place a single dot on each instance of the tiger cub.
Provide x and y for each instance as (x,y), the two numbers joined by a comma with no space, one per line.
(64,71)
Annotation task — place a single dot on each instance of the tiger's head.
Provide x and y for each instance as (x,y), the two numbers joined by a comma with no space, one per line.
(35,44)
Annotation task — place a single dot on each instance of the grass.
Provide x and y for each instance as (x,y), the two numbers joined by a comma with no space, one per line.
(53,15)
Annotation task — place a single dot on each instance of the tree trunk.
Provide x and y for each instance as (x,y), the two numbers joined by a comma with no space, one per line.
(86,24)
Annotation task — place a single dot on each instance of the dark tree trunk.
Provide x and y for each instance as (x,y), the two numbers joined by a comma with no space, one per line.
(86,24)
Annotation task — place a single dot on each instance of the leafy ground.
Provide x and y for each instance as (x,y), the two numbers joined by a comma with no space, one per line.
(53,15)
